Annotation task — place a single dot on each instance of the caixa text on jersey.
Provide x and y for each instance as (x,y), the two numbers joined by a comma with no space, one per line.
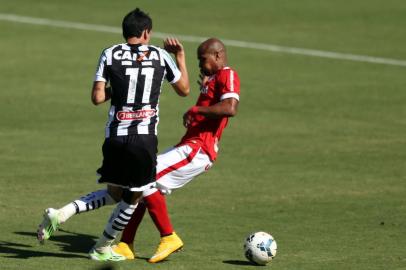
(127,55)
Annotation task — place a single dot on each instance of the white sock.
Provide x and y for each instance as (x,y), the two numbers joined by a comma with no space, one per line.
(66,212)
(116,224)
(91,201)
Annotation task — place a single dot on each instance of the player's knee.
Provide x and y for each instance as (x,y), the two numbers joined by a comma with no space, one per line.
(115,192)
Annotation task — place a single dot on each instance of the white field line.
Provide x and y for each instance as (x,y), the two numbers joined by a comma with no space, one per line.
(228,42)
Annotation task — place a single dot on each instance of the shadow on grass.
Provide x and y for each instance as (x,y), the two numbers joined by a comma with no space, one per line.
(69,242)
(19,251)
(238,262)
(106,267)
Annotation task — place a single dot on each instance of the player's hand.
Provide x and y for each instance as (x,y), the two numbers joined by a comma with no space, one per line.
(187,119)
(173,45)
(189,116)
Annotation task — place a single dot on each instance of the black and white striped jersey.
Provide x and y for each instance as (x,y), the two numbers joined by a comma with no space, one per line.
(135,74)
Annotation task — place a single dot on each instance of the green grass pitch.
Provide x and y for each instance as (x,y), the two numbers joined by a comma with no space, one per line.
(316,155)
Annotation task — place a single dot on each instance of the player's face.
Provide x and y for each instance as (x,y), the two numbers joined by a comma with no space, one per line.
(207,63)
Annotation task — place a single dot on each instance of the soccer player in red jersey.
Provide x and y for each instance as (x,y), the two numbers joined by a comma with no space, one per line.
(196,152)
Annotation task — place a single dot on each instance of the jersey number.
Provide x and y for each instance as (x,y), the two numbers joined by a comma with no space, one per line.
(132,85)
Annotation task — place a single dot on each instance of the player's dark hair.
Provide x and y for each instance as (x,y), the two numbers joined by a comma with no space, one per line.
(135,22)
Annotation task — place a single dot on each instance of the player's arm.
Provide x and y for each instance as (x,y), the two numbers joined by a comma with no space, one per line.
(100,93)
(226,108)
(182,86)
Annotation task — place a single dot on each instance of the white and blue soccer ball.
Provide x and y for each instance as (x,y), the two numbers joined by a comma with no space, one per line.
(260,248)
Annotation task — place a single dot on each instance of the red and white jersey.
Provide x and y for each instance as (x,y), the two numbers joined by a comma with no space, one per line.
(206,132)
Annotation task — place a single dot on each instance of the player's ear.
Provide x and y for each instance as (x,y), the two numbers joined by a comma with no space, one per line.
(146,34)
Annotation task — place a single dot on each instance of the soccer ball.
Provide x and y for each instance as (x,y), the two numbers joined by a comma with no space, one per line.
(260,248)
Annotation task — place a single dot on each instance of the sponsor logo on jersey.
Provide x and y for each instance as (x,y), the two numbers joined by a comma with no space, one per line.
(135,56)
(135,115)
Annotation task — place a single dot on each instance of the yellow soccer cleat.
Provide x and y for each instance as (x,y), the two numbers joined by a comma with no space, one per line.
(125,250)
(168,245)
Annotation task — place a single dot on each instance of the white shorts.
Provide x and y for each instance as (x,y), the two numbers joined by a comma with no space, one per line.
(178,166)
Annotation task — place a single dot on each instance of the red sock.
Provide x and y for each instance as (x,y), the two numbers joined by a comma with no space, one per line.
(156,205)
(130,230)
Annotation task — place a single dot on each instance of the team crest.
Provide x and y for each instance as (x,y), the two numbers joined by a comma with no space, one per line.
(204,89)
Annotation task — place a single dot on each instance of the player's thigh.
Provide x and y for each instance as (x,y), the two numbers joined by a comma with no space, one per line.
(176,168)
(172,156)
(112,160)
(140,161)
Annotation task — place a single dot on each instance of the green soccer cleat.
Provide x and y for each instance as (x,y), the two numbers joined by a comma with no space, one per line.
(49,225)
(107,255)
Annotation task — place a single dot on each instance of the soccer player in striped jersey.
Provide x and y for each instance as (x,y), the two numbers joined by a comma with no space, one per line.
(130,75)
(196,152)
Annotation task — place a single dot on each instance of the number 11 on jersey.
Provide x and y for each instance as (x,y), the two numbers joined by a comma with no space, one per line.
(132,84)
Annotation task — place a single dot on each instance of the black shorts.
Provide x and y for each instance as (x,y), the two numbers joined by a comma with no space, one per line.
(129,161)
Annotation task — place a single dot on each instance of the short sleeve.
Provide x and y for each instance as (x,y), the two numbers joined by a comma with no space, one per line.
(230,84)
(101,70)
(172,72)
